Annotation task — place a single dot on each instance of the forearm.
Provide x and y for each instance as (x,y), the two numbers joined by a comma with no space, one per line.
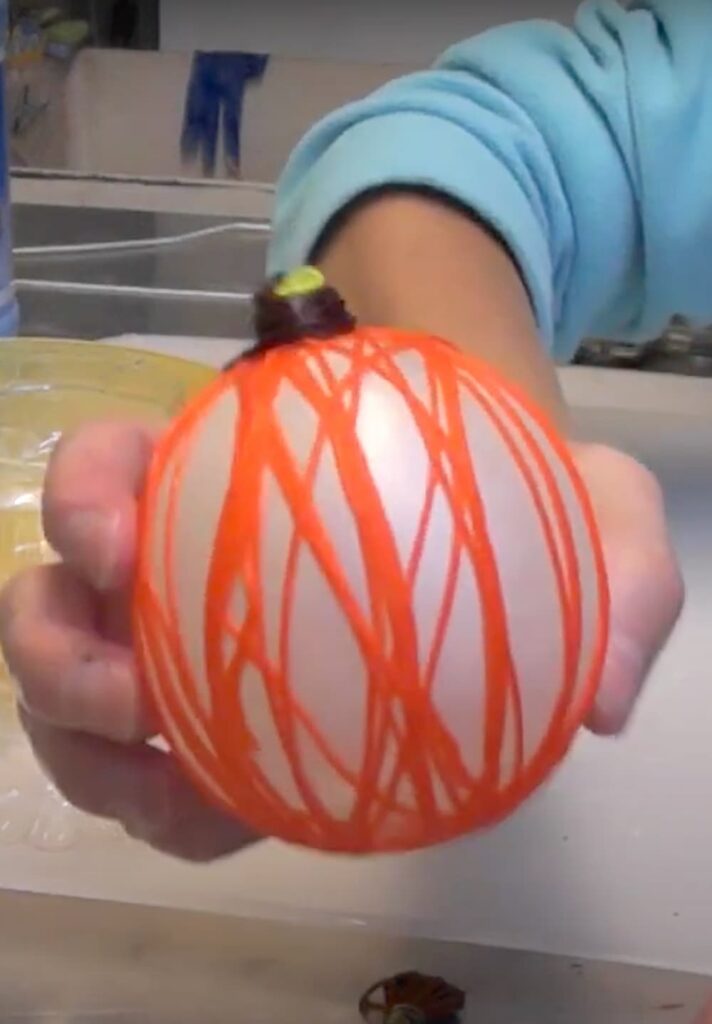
(409,261)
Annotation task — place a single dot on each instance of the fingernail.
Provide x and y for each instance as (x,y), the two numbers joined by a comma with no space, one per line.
(626,669)
(130,817)
(611,713)
(90,540)
(111,705)
(145,815)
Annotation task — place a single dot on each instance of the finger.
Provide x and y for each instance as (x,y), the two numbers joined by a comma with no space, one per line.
(646,587)
(646,600)
(66,673)
(89,507)
(705,1016)
(140,787)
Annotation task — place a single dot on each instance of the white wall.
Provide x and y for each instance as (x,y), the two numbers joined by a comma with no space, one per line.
(91,126)
(398,30)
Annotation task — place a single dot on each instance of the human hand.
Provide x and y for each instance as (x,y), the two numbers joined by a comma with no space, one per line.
(646,587)
(65,632)
(705,1017)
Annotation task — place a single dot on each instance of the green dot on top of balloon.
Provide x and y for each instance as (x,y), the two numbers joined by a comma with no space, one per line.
(302,281)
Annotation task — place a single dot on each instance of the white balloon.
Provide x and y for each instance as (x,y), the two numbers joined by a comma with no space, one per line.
(329,679)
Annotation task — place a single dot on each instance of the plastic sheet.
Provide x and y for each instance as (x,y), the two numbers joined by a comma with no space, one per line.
(47,388)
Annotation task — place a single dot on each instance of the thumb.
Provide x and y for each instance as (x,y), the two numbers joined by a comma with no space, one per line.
(646,588)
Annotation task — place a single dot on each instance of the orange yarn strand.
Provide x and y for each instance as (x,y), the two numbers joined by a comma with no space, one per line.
(412,785)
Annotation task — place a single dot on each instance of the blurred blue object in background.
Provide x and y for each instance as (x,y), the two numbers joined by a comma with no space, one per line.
(215,97)
(9,312)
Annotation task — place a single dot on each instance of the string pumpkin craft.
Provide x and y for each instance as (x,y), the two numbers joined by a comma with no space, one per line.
(370,607)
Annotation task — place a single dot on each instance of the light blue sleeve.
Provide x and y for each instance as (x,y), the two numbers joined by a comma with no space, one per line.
(589,149)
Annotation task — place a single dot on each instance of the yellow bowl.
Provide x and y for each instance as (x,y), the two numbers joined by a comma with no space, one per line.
(48,387)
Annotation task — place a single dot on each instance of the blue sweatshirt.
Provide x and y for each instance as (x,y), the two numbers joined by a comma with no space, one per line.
(589,149)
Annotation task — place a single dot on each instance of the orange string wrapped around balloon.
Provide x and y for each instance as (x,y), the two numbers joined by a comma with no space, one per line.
(371,606)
